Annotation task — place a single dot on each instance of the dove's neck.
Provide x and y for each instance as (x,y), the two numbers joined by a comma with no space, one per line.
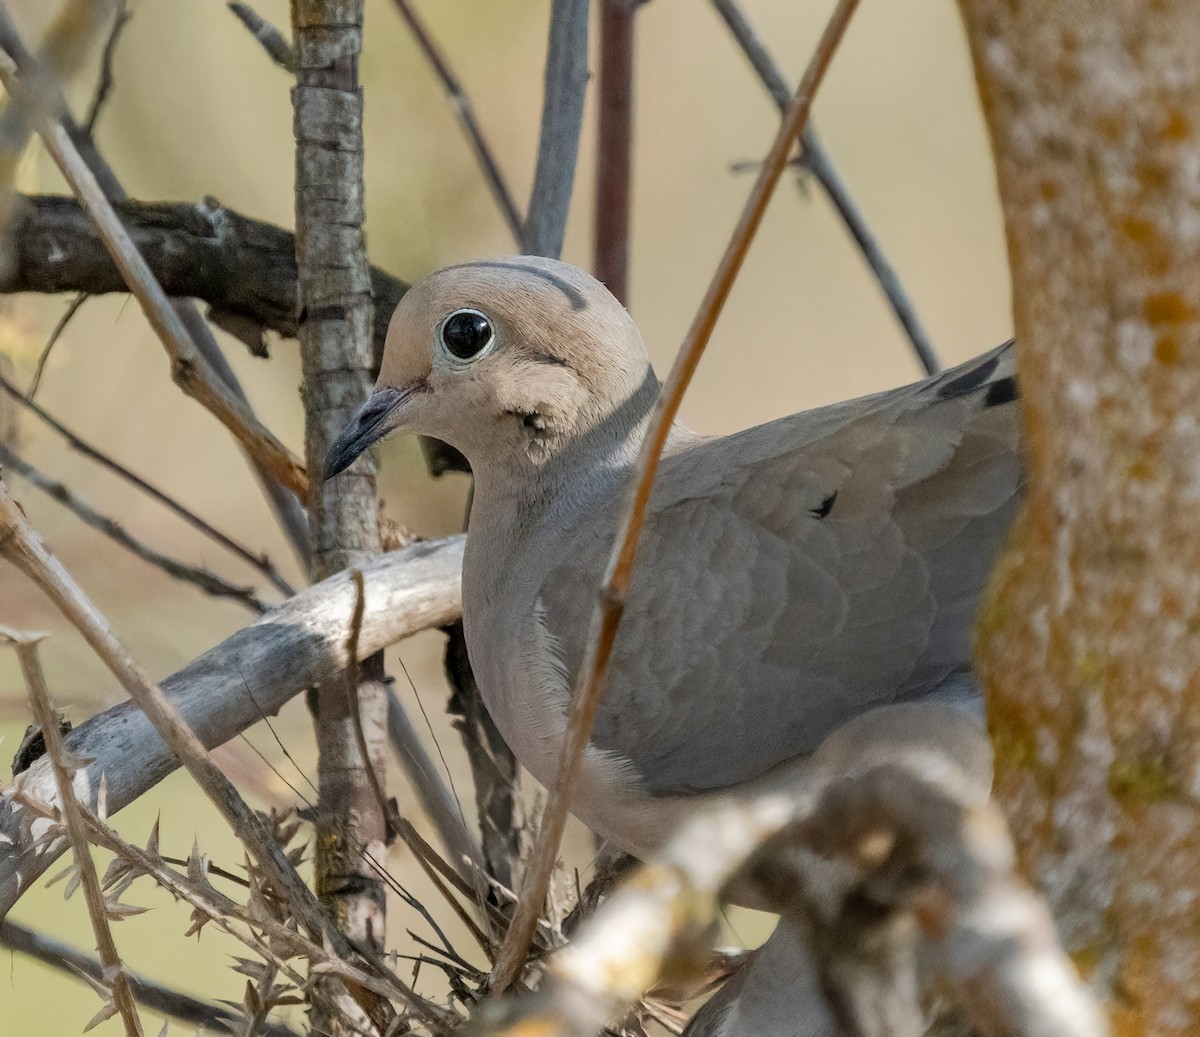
(517,490)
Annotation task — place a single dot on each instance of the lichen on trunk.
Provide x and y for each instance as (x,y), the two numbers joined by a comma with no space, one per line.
(1089,646)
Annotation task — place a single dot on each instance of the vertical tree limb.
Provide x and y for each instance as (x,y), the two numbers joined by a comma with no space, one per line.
(336,313)
(562,119)
(1089,647)
(614,158)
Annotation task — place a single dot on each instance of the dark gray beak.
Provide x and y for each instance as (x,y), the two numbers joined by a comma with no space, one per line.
(367,427)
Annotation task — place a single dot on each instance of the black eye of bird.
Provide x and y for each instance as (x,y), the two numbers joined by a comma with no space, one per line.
(466,333)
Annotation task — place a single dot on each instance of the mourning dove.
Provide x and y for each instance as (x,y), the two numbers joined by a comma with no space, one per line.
(815,575)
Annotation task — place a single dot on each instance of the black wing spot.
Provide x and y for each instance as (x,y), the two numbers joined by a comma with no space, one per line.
(969,381)
(825,507)
(1003,390)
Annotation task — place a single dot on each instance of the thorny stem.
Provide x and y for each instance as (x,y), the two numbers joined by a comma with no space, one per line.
(607,615)
(43,713)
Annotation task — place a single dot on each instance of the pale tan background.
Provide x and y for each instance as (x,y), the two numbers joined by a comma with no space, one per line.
(198,110)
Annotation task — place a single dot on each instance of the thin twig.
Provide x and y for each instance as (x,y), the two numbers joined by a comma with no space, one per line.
(55,335)
(269,38)
(613,593)
(151,995)
(206,581)
(260,562)
(107,80)
(465,111)
(64,775)
(816,159)
(190,370)
(440,805)
(25,549)
(562,118)
(614,153)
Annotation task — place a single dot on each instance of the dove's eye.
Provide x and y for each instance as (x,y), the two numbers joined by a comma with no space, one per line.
(466,334)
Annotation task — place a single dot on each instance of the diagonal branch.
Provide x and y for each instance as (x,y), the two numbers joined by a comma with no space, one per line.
(816,160)
(466,115)
(208,582)
(189,368)
(285,504)
(229,688)
(259,562)
(157,998)
(64,774)
(607,615)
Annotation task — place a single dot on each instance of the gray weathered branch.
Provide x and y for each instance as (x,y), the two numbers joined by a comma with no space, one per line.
(243,268)
(232,686)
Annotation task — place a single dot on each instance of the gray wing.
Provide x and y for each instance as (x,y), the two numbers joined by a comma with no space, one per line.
(793,575)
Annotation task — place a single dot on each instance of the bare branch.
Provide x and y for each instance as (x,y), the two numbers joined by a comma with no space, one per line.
(614,153)
(64,775)
(190,370)
(562,118)
(231,686)
(607,615)
(816,159)
(285,504)
(465,111)
(244,269)
(105,85)
(439,804)
(61,326)
(259,561)
(269,38)
(151,995)
(208,582)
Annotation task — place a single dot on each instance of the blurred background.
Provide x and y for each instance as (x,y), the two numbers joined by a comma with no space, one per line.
(198,110)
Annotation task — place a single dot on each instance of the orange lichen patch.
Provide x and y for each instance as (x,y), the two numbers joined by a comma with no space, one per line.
(1139,230)
(1167,350)
(1168,308)
(1152,176)
(1177,127)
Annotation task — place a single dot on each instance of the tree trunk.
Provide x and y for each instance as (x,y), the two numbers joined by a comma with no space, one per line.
(1089,647)
(335,328)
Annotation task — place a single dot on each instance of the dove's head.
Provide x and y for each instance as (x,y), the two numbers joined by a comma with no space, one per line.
(518,356)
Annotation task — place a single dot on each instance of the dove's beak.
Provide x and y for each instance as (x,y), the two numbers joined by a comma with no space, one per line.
(374,420)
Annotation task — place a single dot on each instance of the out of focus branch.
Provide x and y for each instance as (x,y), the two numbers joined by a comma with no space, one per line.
(258,561)
(816,160)
(157,998)
(208,582)
(917,850)
(189,368)
(284,503)
(243,268)
(465,111)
